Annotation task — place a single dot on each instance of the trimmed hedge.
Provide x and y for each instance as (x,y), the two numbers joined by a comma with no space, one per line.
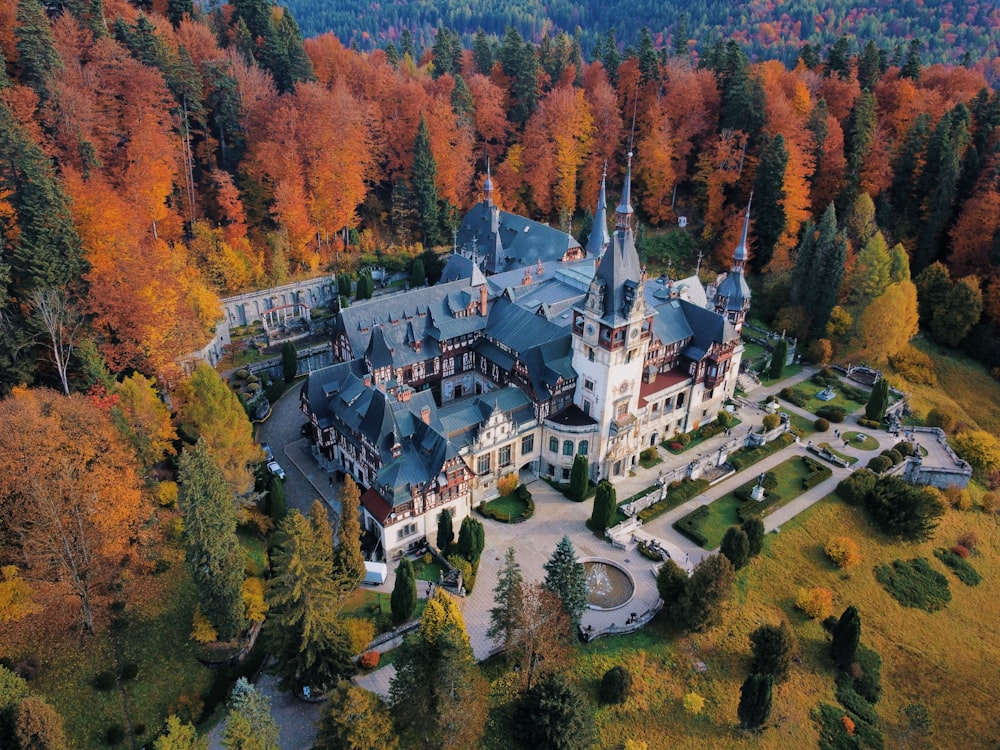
(834,414)
(752,509)
(675,496)
(869,423)
(880,464)
(905,448)
(793,396)
(690,525)
(745,457)
(817,473)
(710,430)
(821,425)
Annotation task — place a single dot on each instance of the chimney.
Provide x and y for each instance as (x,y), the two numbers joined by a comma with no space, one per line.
(482,300)
(368,380)
(425,414)
(403,394)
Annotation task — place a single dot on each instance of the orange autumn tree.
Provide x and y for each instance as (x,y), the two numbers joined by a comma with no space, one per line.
(557,140)
(70,497)
(656,169)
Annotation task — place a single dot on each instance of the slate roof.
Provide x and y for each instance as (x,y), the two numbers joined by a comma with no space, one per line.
(523,242)
(735,290)
(671,324)
(460,267)
(461,420)
(708,327)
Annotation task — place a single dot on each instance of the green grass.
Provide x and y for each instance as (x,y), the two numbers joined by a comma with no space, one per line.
(800,424)
(868,444)
(255,549)
(811,389)
(508,506)
(722,512)
(428,571)
(790,371)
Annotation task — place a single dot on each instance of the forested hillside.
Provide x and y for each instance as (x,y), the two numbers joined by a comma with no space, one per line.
(766,29)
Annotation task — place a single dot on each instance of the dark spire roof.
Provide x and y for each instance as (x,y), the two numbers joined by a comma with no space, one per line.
(378,353)
(599,238)
(623,214)
(488,185)
(740,256)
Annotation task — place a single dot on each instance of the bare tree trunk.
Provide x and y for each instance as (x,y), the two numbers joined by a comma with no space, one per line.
(62,323)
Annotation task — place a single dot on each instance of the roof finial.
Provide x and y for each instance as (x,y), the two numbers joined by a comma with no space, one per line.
(623,216)
(740,256)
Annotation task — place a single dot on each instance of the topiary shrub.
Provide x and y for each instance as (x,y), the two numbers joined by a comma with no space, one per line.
(771,422)
(833,413)
(895,456)
(880,464)
(104,681)
(130,670)
(616,685)
(821,424)
(869,423)
(904,448)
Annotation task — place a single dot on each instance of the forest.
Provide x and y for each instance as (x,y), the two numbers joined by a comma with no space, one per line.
(157,156)
(952,32)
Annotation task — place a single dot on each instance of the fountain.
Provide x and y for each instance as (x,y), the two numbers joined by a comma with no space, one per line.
(608,585)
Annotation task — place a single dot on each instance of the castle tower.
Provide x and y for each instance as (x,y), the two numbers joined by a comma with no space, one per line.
(732,298)
(599,239)
(611,334)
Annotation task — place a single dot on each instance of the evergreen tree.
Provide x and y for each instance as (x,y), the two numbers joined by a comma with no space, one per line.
(769,196)
(869,66)
(406,45)
(277,507)
(177,9)
(958,312)
(755,701)
(773,647)
(418,277)
(904,200)
(754,529)
(778,357)
(859,137)
(605,507)
(37,57)
(348,561)
(933,287)
(471,539)
(355,719)
(508,597)
(827,271)
(609,56)
(446,52)
(742,96)
(708,588)
(912,65)
(671,585)
(565,577)
(554,715)
(212,549)
(846,637)
(310,646)
(289,361)
(903,510)
(249,725)
(579,478)
(404,592)
(425,190)
(681,37)
(838,62)
(517,58)
(462,102)
(391,53)
(736,547)
(878,401)
(445,531)
(482,53)
(649,63)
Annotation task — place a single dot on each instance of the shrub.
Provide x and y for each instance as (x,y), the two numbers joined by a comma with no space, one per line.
(616,685)
(693,703)
(914,583)
(832,413)
(867,674)
(956,561)
(843,551)
(649,455)
(968,539)
(961,551)
(904,510)
(507,484)
(726,419)
(914,365)
(794,396)
(880,464)
(369,660)
(816,603)
(129,671)
(678,493)
(958,498)
(904,448)
(944,420)
(821,424)
(817,473)
(870,424)
(990,502)
(242,374)
(893,455)
(681,437)
(745,457)
(104,681)
(855,488)
(771,421)
(115,734)
(711,429)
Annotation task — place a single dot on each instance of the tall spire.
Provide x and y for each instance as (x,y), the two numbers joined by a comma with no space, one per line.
(623,215)
(740,256)
(488,185)
(599,238)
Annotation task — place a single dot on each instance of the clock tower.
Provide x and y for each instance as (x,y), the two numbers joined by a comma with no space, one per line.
(611,334)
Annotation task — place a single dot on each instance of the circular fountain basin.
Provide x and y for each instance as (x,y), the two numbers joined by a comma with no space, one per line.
(609,585)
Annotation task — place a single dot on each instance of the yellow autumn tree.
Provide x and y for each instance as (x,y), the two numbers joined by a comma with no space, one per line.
(15,596)
(146,419)
(888,323)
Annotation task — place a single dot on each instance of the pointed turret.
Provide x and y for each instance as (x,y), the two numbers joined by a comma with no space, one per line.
(623,214)
(488,186)
(740,255)
(599,238)
(732,298)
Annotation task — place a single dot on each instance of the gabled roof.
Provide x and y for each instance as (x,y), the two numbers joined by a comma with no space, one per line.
(671,323)
(459,267)
(708,327)
(378,353)
(519,329)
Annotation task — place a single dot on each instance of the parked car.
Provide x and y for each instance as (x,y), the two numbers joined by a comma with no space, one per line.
(275,468)
(268,453)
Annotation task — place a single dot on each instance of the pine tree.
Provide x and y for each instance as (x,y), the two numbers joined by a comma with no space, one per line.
(769,195)
(445,531)
(423,176)
(878,401)
(404,592)
(736,547)
(289,361)
(565,577)
(249,725)
(755,701)
(609,56)
(553,714)
(277,507)
(708,588)
(672,586)
(846,637)
(37,57)
(754,529)
(649,62)
(579,477)
(778,357)
(773,647)
(507,597)
(482,53)
(517,58)
(912,65)
(605,507)
(418,276)
(839,59)
(348,560)
(859,137)
(212,549)
(827,272)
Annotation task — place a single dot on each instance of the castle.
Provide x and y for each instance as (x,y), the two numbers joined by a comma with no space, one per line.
(530,351)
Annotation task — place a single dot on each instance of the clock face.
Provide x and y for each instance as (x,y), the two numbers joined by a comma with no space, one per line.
(590,329)
(623,388)
(635,332)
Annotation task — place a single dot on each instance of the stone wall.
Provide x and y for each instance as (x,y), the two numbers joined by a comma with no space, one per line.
(919,471)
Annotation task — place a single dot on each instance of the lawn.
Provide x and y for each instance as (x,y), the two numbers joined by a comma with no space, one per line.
(789,371)
(811,389)
(867,443)
(947,660)
(428,571)
(722,512)
(508,507)
(800,424)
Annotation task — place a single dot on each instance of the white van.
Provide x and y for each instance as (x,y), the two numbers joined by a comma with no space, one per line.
(375,573)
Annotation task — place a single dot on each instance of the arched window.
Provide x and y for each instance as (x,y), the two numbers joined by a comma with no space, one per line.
(567,447)
(583,447)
